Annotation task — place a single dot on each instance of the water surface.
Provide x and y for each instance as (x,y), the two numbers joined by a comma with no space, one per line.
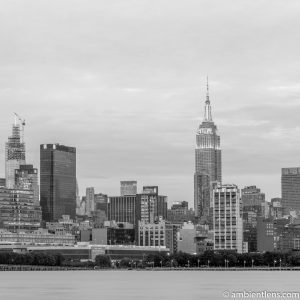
(125,285)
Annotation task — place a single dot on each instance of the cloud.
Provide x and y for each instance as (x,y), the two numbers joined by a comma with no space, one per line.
(124,82)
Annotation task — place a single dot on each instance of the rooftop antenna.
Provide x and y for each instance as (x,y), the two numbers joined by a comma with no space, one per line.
(207,89)
(207,114)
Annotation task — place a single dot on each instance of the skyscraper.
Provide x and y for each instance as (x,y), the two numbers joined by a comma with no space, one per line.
(290,189)
(90,200)
(57,181)
(14,152)
(208,168)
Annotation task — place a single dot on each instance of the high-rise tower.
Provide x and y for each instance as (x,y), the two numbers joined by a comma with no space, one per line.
(14,151)
(57,181)
(208,168)
(290,189)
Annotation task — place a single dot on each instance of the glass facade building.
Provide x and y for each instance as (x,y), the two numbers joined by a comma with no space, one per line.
(128,188)
(122,209)
(57,181)
(290,189)
(18,210)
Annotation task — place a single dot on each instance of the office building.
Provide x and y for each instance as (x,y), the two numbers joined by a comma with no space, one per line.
(122,209)
(38,236)
(101,202)
(148,207)
(227,221)
(180,213)
(253,200)
(277,235)
(18,210)
(151,205)
(152,234)
(57,181)
(90,200)
(208,166)
(26,178)
(253,205)
(290,189)
(2,182)
(128,188)
(202,196)
(98,218)
(115,234)
(250,230)
(276,210)
(14,152)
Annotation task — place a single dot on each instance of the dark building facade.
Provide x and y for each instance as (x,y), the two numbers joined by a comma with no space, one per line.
(180,213)
(113,236)
(253,200)
(265,234)
(57,181)
(122,209)
(280,235)
(290,189)
(208,167)
(101,201)
(202,191)
(2,182)
(253,204)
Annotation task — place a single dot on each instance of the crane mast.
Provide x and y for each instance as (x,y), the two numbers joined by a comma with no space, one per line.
(22,123)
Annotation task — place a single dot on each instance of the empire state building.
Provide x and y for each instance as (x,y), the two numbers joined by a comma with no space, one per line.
(208,167)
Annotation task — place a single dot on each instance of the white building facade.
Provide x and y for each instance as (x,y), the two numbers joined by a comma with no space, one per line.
(227,220)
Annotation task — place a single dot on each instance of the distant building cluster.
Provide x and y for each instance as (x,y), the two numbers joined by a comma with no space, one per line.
(41,209)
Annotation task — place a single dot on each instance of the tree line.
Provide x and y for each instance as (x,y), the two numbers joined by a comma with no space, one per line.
(31,258)
(207,259)
(180,259)
(226,259)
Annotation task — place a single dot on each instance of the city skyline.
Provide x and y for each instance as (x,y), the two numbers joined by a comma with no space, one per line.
(135,112)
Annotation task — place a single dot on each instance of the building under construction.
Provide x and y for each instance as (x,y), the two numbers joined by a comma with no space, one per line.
(14,151)
(19,198)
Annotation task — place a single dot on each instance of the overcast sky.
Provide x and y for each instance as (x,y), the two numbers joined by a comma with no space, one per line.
(124,82)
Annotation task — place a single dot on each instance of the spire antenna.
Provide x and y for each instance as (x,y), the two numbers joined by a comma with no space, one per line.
(207,89)
(207,114)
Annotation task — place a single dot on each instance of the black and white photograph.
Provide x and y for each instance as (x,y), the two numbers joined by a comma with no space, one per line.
(149,149)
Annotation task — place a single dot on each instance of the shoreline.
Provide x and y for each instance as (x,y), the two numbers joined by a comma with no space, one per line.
(27,268)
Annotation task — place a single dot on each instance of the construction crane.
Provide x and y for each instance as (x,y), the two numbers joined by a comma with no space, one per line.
(22,123)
